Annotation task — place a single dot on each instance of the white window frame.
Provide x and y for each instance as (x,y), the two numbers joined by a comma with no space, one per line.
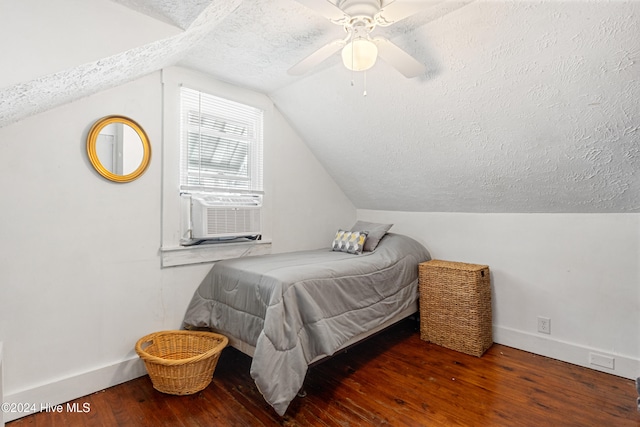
(174,224)
(246,132)
(221,162)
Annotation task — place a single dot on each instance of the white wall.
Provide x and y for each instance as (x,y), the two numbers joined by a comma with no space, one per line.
(300,193)
(580,270)
(80,271)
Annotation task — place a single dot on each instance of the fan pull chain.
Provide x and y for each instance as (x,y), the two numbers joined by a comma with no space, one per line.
(352,59)
(365,83)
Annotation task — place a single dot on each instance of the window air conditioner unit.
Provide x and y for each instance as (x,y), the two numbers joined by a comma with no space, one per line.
(225,216)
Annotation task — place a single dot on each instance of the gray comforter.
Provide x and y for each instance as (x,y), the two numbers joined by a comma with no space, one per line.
(294,307)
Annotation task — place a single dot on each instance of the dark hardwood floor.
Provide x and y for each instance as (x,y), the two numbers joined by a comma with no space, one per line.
(393,379)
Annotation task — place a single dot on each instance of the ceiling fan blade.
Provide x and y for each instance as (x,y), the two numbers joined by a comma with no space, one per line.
(316,57)
(398,58)
(398,10)
(326,9)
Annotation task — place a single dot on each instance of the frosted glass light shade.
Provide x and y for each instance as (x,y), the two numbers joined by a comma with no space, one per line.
(359,55)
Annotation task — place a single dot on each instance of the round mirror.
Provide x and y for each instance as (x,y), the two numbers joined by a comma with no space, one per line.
(118,148)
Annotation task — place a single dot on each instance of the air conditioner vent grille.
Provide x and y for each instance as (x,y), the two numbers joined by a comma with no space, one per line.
(226,220)
(219,217)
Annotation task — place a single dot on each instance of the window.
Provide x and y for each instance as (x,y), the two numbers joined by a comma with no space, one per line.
(220,166)
(221,145)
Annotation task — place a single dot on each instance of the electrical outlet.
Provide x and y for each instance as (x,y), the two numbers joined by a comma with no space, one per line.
(544,325)
(601,360)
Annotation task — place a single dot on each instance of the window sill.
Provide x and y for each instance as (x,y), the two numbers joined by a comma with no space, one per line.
(185,255)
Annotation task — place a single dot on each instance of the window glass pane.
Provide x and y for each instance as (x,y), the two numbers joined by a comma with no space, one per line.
(217,155)
(221,144)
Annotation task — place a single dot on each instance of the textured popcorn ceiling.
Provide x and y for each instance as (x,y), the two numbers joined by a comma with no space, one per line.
(179,13)
(527,106)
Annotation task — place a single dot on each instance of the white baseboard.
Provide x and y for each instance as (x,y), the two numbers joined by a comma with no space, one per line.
(624,366)
(58,392)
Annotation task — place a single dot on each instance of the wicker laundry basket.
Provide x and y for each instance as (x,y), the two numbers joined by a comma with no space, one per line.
(181,362)
(455,305)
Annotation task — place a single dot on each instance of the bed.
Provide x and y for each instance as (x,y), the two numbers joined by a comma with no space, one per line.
(290,310)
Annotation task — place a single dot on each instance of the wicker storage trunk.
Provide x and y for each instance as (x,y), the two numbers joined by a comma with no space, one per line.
(455,306)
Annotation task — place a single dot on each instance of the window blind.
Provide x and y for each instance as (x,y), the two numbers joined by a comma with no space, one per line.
(221,145)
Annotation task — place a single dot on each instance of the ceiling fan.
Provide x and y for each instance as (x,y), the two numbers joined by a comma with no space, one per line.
(359,49)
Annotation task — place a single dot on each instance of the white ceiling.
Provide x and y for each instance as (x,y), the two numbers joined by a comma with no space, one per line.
(526,106)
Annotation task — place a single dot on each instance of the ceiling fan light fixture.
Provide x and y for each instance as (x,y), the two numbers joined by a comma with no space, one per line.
(359,54)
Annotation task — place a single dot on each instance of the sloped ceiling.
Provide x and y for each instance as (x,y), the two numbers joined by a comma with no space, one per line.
(526,106)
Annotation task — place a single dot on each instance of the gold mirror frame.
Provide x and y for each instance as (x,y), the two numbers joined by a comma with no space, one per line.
(92,139)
